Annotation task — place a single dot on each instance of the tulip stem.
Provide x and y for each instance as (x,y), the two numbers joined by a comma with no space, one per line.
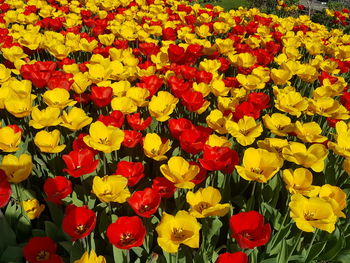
(311,243)
(104,164)
(19,197)
(295,245)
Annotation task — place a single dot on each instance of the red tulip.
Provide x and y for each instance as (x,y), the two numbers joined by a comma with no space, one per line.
(204,76)
(246,109)
(193,140)
(177,126)
(219,159)
(126,232)
(169,34)
(5,189)
(259,99)
(115,118)
(78,222)
(80,162)
(176,53)
(145,203)
(192,100)
(249,230)
(101,96)
(238,257)
(79,144)
(133,171)
(137,123)
(164,187)
(57,188)
(131,138)
(41,250)
(151,83)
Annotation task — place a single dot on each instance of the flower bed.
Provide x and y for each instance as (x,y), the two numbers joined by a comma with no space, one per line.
(159,131)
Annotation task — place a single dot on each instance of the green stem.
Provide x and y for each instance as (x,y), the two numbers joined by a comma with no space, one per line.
(311,243)
(295,245)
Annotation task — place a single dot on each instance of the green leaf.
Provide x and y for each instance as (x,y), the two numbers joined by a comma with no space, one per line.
(119,255)
(8,237)
(12,254)
(344,256)
(52,231)
(76,251)
(56,213)
(316,249)
(334,245)
(283,254)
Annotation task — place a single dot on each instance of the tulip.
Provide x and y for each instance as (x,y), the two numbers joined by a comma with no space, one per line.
(17,169)
(48,142)
(112,188)
(32,208)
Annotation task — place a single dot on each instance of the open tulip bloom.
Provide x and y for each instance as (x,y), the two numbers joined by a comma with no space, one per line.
(174,131)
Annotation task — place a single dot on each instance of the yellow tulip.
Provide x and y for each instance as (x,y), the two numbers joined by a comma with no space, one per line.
(280,76)
(17,169)
(45,118)
(81,82)
(48,142)
(346,165)
(180,172)
(278,124)
(259,165)
(274,145)
(154,147)
(9,139)
(33,208)
(182,228)
(206,202)
(218,141)
(216,120)
(104,138)
(218,88)
(313,157)
(13,53)
(5,73)
(292,103)
(309,132)
(112,188)
(58,98)
(245,131)
(299,181)
(245,60)
(91,258)
(162,105)
(75,119)
(124,104)
(138,96)
(335,196)
(19,107)
(312,213)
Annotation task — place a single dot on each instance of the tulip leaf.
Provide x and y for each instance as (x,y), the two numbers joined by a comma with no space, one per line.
(8,237)
(77,251)
(12,254)
(283,254)
(334,245)
(316,250)
(344,256)
(274,246)
(52,230)
(119,255)
(56,213)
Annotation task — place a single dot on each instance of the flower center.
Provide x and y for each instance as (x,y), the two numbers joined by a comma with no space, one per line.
(179,234)
(126,239)
(248,236)
(202,206)
(309,216)
(256,170)
(42,256)
(144,208)
(104,141)
(80,229)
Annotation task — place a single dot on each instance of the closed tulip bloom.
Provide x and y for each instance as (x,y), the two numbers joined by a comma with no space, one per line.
(180,172)
(57,188)
(75,119)
(91,257)
(104,138)
(45,118)
(111,188)
(206,202)
(336,196)
(17,169)
(259,165)
(245,130)
(313,157)
(299,181)
(182,228)
(162,105)
(5,189)
(341,146)
(154,147)
(249,229)
(238,257)
(58,98)
(312,213)
(33,208)
(48,142)
(9,139)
